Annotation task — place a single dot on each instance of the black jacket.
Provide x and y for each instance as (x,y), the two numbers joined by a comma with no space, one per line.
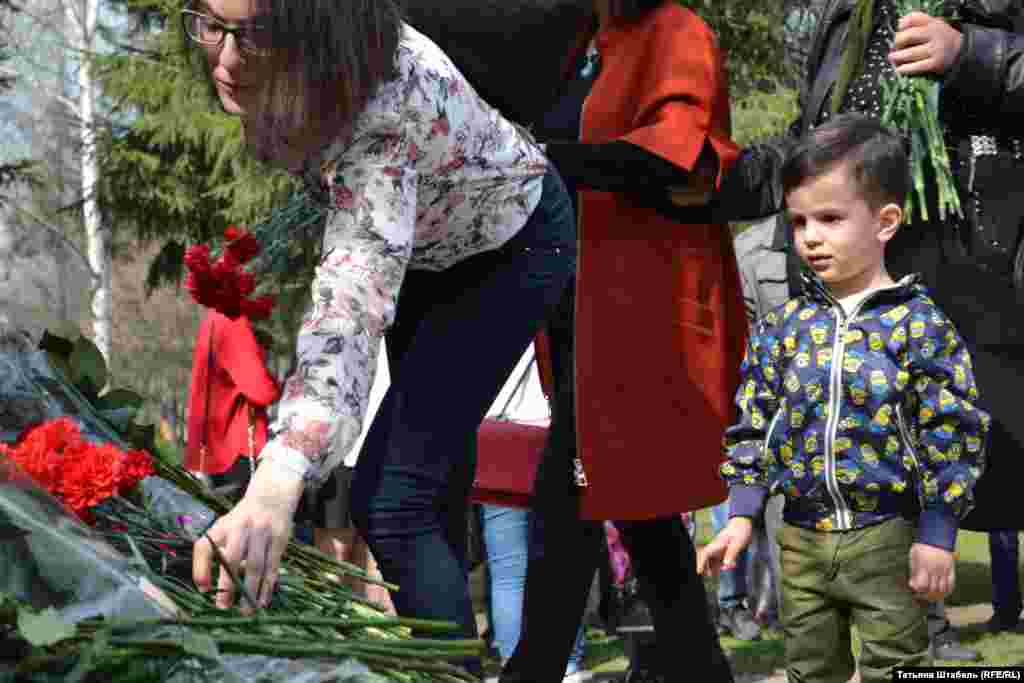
(513,52)
(982,93)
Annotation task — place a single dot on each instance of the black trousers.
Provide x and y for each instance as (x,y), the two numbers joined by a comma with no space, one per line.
(561,570)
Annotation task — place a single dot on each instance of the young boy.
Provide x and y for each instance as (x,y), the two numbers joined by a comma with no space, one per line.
(857,403)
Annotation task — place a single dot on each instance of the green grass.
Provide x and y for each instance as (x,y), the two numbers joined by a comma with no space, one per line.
(606,654)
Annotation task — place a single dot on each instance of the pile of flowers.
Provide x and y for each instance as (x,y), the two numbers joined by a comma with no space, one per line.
(92,514)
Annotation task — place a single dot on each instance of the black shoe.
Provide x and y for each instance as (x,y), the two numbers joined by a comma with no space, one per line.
(739,623)
(947,648)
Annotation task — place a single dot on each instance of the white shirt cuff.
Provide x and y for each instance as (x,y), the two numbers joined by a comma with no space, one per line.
(286,461)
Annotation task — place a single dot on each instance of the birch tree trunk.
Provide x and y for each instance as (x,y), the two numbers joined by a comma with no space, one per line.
(82,17)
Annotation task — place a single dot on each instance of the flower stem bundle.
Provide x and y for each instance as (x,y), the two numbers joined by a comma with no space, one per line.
(113,600)
(910,104)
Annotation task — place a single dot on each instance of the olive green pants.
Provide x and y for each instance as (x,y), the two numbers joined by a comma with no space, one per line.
(833,582)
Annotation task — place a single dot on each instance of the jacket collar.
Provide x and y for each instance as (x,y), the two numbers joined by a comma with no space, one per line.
(816,290)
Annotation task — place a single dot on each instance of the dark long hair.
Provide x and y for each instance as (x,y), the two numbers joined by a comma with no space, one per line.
(625,11)
(328,59)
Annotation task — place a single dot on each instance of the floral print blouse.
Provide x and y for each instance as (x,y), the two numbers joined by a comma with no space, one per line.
(428,175)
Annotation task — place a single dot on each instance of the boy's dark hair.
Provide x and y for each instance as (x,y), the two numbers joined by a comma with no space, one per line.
(328,58)
(876,157)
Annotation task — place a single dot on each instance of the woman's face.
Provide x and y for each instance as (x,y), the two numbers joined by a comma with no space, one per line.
(237,71)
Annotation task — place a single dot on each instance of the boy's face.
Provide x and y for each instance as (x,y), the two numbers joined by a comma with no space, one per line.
(838,234)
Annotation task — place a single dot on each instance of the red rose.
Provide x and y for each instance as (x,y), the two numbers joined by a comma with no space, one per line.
(232,232)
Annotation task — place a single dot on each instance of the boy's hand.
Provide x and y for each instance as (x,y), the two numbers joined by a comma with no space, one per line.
(722,552)
(924,45)
(932,572)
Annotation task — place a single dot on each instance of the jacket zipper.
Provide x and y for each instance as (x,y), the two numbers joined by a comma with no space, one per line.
(579,473)
(844,518)
(908,443)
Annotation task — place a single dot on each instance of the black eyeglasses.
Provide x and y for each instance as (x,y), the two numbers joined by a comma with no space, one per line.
(206,30)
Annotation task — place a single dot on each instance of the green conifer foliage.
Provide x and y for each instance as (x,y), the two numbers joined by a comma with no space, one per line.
(175,169)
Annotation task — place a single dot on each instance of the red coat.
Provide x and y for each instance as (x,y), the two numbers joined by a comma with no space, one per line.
(660,324)
(223,384)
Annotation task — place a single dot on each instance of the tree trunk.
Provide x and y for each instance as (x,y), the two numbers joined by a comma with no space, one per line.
(82,17)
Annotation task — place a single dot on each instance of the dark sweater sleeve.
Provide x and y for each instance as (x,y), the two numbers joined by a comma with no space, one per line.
(616,166)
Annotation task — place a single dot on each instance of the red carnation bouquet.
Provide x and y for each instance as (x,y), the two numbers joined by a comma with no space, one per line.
(223,284)
(77,472)
(114,601)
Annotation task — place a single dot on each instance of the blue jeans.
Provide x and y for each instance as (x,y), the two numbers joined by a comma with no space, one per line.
(1003,547)
(456,338)
(732,584)
(507,539)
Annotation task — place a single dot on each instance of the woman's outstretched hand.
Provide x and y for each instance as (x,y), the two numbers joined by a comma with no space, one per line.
(250,539)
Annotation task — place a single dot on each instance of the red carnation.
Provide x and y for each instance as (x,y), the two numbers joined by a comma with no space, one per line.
(246,283)
(229,307)
(135,466)
(79,473)
(228,261)
(197,258)
(224,285)
(258,308)
(244,247)
(88,478)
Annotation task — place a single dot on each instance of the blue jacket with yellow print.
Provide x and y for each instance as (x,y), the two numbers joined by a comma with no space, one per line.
(858,418)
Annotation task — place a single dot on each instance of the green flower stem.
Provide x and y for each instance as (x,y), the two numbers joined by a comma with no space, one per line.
(906,107)
(260,621)
(396,652)
(380,655)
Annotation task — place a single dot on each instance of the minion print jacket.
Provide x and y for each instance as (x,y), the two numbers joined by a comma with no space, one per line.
(858,418)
